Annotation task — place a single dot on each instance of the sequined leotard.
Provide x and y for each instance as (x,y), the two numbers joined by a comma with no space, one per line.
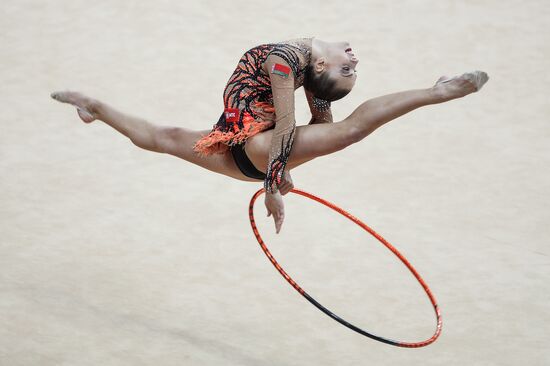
(259,96)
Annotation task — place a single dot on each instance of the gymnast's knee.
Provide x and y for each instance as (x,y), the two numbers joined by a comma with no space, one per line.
(167,139)
(351,134)
(357,132)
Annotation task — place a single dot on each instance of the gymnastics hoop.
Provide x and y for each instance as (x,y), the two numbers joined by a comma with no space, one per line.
(321,307)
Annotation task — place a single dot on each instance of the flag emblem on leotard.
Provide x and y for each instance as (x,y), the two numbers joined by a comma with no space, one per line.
(279,69)
(231,114)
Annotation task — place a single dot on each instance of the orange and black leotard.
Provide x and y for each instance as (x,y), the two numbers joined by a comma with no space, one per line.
(260,96)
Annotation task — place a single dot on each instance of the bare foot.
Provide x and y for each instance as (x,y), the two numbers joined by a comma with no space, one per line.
(460,86)
(85,106)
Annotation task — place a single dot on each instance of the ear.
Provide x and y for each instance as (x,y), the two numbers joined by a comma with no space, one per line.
(320,64)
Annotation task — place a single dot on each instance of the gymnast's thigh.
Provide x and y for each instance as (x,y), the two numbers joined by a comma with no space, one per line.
(310,142)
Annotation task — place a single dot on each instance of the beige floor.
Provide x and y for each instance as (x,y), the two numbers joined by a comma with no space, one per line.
(110,255)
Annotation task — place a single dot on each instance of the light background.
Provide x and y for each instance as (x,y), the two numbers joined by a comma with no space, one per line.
(111,255)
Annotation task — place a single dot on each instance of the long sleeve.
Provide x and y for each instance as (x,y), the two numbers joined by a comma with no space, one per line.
(282,84)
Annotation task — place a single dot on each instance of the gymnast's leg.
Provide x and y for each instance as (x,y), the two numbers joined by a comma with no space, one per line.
(177,141)
(316,140)
(375,112)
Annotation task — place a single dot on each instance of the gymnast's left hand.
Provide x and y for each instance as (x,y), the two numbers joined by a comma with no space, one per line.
(286,184)
(275,206)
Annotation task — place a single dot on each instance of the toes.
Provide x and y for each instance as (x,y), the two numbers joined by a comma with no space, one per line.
(477,78)
(84,107)
(483,78)
(55,95)
(62,97)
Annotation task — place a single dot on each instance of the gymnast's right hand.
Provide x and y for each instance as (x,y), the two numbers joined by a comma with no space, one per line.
(275,206)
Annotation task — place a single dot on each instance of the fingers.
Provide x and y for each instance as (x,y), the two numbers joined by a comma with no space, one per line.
(278,218)
(278,222)
(284,188)
(290,186)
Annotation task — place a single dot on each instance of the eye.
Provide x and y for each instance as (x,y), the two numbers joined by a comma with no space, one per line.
(347,70)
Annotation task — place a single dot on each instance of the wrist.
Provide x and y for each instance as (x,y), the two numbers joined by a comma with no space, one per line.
(272,192)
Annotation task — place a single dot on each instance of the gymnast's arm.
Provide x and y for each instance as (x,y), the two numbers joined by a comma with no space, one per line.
(319,113)
(278,181)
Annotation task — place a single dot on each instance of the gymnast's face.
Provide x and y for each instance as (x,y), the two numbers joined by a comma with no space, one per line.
(339,63)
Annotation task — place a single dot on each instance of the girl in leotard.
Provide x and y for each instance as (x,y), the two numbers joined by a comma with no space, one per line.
(256,137)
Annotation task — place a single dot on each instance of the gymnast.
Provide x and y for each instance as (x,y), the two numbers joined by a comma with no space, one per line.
(256,137)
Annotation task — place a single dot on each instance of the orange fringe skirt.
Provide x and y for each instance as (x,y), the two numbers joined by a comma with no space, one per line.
(228,131)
